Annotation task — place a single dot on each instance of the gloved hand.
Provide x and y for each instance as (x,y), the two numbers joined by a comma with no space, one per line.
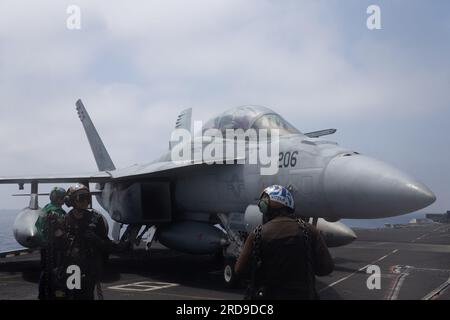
(92,237)
(95,240)
(52,217)
(59,233)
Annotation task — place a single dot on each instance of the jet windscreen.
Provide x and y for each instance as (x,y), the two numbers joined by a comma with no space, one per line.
(246,117)
(274,121)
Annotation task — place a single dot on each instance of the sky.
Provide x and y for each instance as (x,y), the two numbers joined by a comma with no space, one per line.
(137,64)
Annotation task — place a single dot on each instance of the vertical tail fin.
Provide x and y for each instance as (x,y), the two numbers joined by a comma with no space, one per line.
(101,155)
(184,121)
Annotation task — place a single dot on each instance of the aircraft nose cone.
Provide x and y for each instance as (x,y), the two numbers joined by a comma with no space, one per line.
(362,187)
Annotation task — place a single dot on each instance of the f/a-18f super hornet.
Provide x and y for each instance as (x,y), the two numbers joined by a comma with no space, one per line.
(205,208)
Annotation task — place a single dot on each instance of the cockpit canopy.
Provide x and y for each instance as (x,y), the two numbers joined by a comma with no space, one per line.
(250,117)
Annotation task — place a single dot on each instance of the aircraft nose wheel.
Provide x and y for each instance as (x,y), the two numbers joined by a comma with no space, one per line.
(229,276)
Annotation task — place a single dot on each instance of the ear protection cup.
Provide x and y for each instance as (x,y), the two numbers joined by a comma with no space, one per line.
(67,201)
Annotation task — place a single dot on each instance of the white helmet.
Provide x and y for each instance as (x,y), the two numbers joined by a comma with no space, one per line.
(280,195)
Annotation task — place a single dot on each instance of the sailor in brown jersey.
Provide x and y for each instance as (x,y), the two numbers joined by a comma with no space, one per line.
(284,254)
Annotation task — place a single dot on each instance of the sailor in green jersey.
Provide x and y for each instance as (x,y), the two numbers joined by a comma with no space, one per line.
(49,227)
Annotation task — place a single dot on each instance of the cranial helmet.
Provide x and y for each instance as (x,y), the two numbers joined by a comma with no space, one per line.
(280,195)
(75,193)
(57,193)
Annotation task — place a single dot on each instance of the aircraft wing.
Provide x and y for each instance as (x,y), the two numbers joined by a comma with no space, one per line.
(161,169)
(101,176)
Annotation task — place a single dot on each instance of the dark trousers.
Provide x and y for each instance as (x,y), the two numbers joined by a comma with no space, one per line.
(85,293)
(45,283)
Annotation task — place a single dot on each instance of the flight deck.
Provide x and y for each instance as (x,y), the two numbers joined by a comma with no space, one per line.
(414,262)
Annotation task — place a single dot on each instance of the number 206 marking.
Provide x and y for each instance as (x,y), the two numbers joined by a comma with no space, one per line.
(286,159)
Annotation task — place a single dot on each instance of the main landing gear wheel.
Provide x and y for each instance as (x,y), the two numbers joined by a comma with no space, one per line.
(229,276)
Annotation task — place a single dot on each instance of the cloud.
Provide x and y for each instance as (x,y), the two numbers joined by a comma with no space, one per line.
(137,65)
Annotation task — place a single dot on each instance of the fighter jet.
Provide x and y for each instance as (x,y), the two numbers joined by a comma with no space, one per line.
(206,207)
